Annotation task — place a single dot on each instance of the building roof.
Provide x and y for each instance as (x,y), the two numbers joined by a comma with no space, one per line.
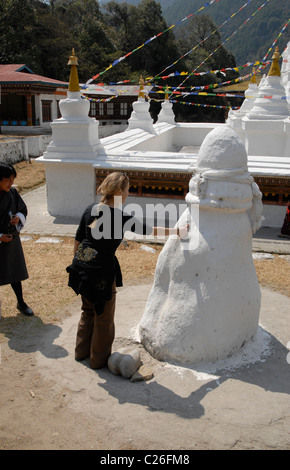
(21,74)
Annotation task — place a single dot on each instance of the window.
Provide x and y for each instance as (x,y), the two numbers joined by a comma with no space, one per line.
(46,110)
(93,110)
(101,109)
(110,109)
(123,109)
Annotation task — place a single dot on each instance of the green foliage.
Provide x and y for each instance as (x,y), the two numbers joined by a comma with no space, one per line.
(41,34)
(17,21)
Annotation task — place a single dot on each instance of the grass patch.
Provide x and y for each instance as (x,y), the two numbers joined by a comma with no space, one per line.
(30,175)
(274,273)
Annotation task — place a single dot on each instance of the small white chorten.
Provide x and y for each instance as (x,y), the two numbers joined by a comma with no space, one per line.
(166,114)
(140,117)
(234,119)
(250,95)
(205,300)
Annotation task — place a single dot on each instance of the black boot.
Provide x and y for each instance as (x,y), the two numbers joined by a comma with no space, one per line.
(21,305)
(23,308)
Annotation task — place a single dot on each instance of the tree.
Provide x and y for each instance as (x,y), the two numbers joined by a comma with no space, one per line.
(134,26)
(122,18)
(17,20)
(201,36)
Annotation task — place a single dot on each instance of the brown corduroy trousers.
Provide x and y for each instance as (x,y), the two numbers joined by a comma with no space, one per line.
(96,333)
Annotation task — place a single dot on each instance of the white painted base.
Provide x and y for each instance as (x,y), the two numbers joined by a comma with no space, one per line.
(70,188)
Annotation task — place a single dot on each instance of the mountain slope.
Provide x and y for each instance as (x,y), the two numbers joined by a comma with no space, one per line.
(254,37)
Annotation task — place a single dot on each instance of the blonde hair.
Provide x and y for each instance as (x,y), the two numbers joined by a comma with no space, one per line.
(111,185)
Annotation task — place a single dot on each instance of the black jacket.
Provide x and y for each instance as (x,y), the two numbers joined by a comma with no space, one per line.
(95,266)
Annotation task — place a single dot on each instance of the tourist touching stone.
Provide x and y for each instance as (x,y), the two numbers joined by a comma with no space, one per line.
(95,272)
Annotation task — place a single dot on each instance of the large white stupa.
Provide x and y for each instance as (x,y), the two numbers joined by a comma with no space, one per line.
(205,300)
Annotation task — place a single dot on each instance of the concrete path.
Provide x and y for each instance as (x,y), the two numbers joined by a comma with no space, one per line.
(239,403)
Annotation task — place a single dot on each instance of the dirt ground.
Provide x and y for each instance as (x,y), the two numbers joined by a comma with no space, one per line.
(38,412)
(35,414)
(29,404)
(51,402)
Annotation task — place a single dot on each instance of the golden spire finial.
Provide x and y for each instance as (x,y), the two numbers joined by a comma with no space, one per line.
(253,77)
(275,67)
(166,91)
(73,79)
(141,88)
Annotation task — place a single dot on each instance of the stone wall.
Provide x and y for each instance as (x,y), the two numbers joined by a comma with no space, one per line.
(16,149)
(13,150)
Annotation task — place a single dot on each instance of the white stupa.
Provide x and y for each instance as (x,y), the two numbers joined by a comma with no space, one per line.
(270,102)
(166,114)
(250,95)
(234,119)
(205,300)
(140,117)
(75,145)
(74,135)
(263,127)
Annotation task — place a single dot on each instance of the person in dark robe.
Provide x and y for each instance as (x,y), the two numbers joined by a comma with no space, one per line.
(13,213)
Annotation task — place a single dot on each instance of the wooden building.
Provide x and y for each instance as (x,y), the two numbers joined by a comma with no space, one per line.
(28,100)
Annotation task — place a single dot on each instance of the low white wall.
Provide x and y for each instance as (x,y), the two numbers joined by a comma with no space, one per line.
(168,137)
(266,137)
(273,215)
(37,144)
(192,134)
(108,129)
